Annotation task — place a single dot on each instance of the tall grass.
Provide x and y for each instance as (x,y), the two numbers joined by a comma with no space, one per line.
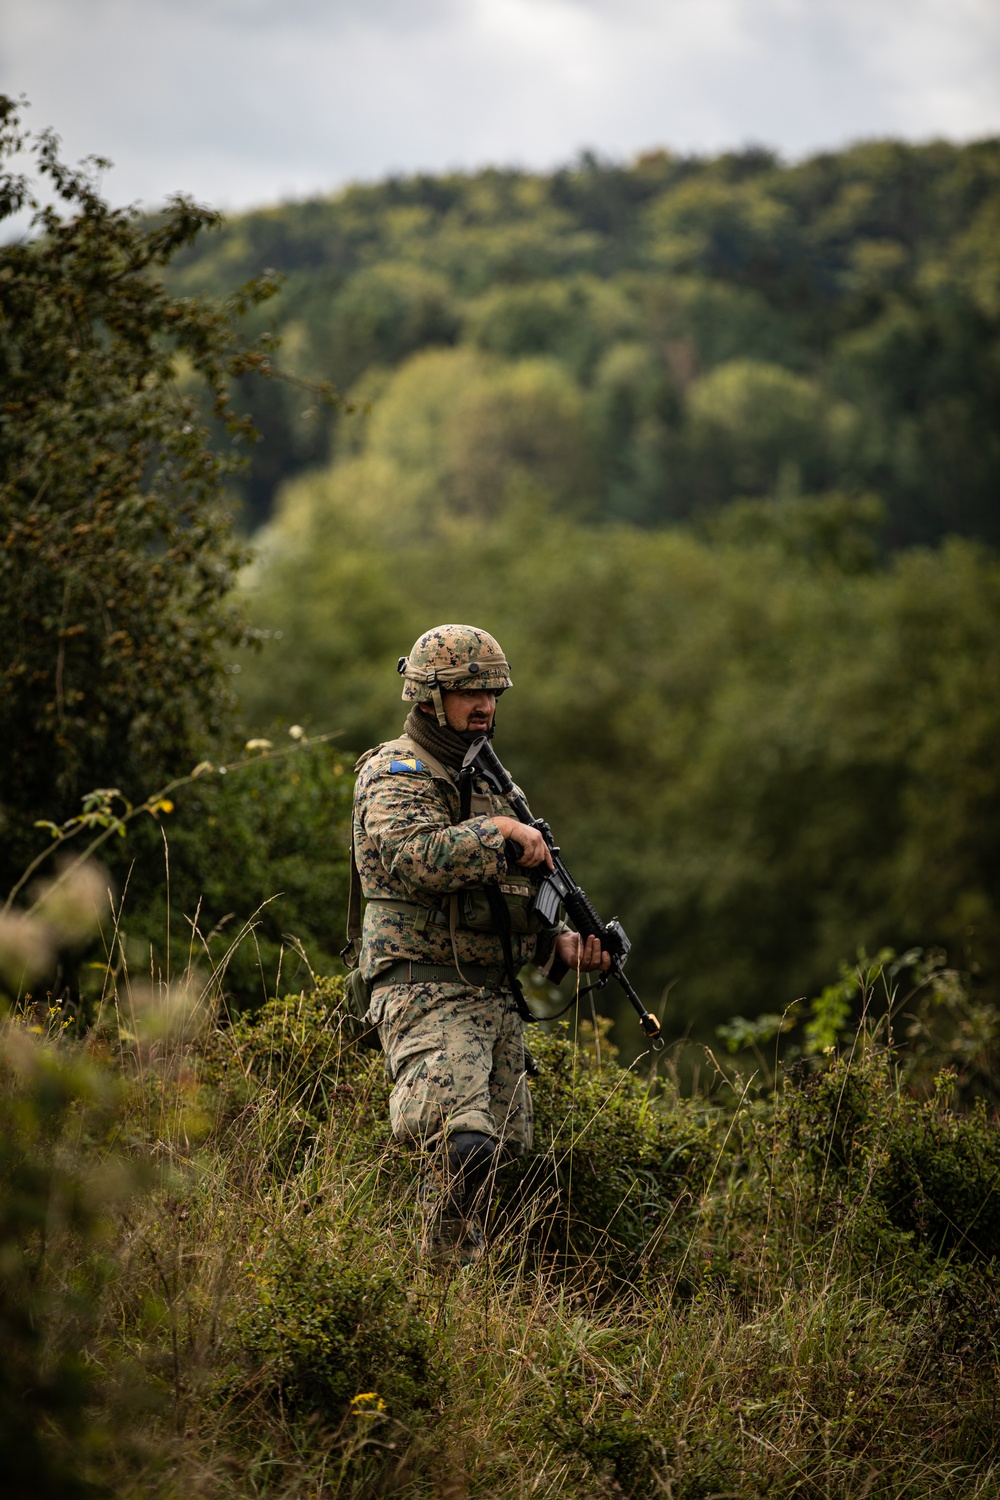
(211,1281)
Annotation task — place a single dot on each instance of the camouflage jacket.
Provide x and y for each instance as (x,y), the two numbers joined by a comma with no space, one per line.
(413,854)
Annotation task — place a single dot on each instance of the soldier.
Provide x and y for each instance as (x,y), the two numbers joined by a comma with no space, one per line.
(429,841)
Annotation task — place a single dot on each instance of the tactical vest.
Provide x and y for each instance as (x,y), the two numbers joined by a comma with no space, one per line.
(469,910)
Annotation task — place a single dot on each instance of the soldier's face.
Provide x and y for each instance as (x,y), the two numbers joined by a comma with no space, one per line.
(470,711)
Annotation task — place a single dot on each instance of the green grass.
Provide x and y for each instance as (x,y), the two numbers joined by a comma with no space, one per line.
(211,1284)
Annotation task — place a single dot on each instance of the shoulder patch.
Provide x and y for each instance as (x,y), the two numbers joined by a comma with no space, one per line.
(411,764)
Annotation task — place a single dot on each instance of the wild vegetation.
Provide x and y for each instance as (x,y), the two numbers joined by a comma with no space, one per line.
(764,736)
(762,747)
(210,1283)
(648,341)
(682,434)
(117,616)
(678,433)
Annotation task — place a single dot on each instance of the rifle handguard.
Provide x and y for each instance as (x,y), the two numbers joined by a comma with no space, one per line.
(585,918)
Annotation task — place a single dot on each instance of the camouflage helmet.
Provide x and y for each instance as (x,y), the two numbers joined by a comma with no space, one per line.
(452,658)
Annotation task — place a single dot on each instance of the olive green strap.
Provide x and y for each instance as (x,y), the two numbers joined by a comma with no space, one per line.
(349,953)
(431,761)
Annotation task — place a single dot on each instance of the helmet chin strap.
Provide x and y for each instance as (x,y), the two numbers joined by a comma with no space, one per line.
(437,699)
(470,736)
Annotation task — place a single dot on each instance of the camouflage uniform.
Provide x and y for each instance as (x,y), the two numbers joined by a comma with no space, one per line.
(455,1051)
(456,1055)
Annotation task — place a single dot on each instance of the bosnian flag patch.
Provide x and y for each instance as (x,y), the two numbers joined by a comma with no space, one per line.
(406,765)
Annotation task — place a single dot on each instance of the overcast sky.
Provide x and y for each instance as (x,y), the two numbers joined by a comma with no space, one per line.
(245,102)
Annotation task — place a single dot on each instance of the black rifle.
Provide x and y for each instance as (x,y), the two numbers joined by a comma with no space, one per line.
(557,887)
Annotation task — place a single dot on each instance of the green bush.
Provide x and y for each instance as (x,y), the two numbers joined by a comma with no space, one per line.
(59,1182)
(292,1074)
(328,1329)
(729,1297)
(295,1045)
(117,555)
(615,1161)
(246,873)
(914,1166)
(614,1442)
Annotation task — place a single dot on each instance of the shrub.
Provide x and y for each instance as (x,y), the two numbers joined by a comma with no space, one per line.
(614,1441)
(289,1073)
(58,1183)
(329,1329)
(294,1044)
(117,557)
(245,869)
(923,1171)
(614,1157)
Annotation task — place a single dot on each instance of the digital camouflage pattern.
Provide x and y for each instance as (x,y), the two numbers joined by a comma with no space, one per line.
(456,1055)
(410,847)
(453,657)
(455,1052)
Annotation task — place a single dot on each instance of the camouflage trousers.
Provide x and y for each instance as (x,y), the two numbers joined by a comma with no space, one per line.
(456,1058)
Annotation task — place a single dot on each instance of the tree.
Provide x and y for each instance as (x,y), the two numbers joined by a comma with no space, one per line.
(117,555)
(761,746)
(756,428)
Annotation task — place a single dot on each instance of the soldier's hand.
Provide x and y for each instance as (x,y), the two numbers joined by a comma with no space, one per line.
(583,954)
(534,849)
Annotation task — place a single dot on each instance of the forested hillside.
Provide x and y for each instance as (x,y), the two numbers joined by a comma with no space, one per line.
(710,445)
(647,342)
(673,432)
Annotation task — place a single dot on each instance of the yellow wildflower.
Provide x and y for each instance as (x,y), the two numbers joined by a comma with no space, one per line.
(367,1404)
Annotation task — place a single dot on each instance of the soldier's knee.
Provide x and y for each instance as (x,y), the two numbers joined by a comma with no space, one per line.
(470,1159)
(471,1154)
(414,1118)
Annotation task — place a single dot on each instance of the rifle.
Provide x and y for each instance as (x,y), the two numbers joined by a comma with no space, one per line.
(557,886)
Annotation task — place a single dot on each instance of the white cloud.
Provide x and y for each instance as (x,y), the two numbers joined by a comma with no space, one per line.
(245,101)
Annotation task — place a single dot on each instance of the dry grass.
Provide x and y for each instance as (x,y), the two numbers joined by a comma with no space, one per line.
(260,1322)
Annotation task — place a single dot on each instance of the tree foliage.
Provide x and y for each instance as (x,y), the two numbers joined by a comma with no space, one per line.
(848,305)
(763,736)
(762,746)
(117,555)
(117,623)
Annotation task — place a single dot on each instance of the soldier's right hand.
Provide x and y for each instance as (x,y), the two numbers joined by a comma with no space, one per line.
(534,849)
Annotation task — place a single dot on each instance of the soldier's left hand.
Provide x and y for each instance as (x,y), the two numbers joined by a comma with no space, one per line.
(585,955)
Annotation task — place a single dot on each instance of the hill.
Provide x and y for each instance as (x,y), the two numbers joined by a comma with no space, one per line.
(710,328)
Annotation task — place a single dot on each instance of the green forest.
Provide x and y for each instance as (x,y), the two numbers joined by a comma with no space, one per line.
(711,445)
(645,344)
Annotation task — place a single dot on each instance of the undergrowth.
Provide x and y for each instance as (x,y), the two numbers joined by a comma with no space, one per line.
(210,1282)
